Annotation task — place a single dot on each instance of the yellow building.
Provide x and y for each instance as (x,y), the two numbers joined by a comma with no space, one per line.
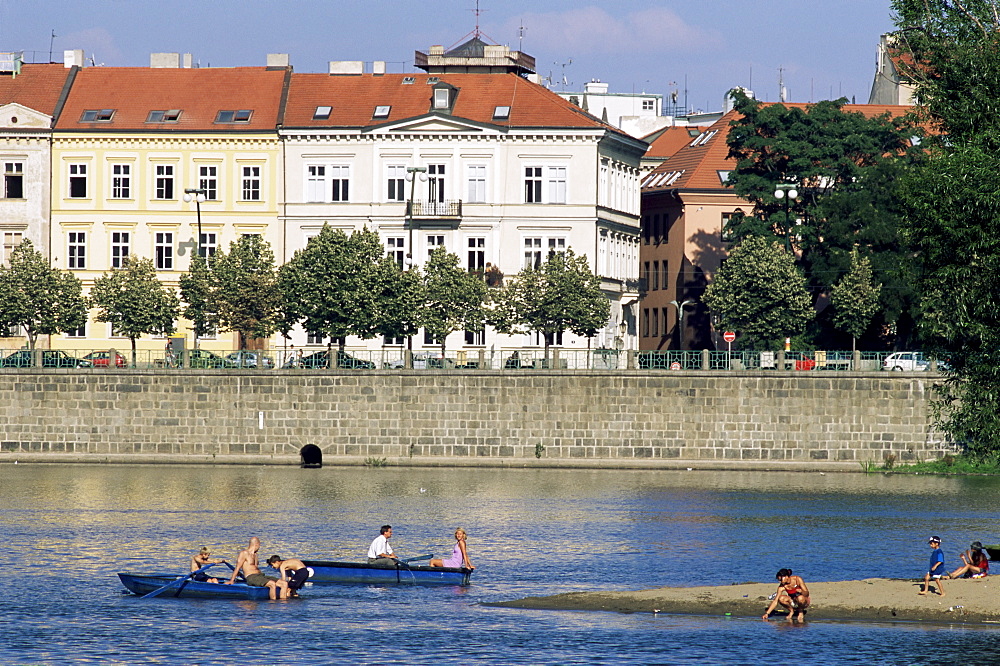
(126,146)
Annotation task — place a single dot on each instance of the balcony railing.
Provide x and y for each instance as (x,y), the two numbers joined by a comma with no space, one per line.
(435,209)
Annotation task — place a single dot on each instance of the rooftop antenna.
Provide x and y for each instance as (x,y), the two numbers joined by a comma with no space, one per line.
(520,37)
(563,65)
(782,92)
(51,41)
(477,11)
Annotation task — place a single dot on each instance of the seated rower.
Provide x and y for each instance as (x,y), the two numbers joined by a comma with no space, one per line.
(201,559)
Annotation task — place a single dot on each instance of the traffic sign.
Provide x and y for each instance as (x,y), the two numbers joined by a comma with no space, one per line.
(729,336)
(675,366)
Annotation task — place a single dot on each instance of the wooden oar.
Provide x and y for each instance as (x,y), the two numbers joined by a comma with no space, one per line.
(174,583)
(414,559)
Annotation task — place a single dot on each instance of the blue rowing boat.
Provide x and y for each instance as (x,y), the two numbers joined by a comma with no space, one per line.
(402,573)
(142,584)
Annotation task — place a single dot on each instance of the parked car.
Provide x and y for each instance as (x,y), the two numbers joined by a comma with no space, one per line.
(51,358)
(201,358)
(423,360)
(906,362)
(102,359)
(319,360)
(250,359)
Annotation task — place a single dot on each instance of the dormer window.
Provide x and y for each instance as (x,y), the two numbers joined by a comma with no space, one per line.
(97,116)
(441,98)
(501,113)
(241,116)
(382,111)
(322,113)
(171,116)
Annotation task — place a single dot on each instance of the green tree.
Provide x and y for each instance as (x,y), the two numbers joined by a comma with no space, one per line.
(563,294)
(334,286)
(453,296)
(761,292)
(844,168)
(951,53)
(244,289)
(40,299)
(134,301)
(196,292)
(855,298)
(401,297)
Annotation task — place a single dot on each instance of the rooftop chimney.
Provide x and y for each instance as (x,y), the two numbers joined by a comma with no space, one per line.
(165,60)
(347,67)
(277,60)
(73,58)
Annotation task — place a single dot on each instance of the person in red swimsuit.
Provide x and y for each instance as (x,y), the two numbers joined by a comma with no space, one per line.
(792,594)
(975,563)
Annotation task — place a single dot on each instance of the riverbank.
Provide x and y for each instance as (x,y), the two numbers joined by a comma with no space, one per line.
(813,466)
(872,599)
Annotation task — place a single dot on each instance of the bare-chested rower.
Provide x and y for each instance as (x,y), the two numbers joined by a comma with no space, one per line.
(247,561)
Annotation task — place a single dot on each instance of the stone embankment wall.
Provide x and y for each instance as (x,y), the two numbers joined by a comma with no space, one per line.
(617,418)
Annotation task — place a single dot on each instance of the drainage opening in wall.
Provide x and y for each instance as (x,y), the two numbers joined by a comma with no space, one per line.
(311,456)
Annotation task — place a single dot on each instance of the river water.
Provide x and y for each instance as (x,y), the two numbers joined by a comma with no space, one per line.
(66,531)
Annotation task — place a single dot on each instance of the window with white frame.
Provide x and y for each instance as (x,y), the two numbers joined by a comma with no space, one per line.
(251,183)
(477,183)
(209,244)
(340,183)
(429,339)
(532,184)
(78,181)
(208,180)
(164,181)
(121,181)
(557,184)
(76,249)
(393,341)
(13,180)
(648,104)
(315,338)
(477,254)
(538,249)
(435,182)
(115,333)
(315,183)
(476,337)
(434,242)
(163,250)
(11,239)
(395,182)
(121,244)
(80,332)
(396,249)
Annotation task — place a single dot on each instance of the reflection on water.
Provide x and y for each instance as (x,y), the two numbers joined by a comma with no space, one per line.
(70,528)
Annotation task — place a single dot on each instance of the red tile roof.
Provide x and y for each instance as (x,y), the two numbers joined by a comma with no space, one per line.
(37,87)
(700,161)
(198,93)
(354,98)
(666,142)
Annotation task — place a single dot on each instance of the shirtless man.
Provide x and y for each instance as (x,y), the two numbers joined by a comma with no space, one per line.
(200,559)
(293,571)
(247,561)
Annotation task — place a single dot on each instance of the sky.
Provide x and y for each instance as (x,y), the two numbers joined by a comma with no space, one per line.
(821,49)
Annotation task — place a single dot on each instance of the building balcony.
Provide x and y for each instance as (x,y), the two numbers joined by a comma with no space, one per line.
(434,210)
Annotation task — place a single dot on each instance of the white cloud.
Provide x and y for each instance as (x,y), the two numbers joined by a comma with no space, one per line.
(593,30)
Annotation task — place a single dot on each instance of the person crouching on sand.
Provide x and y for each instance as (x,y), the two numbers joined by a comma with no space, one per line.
(792,594)
(935,569)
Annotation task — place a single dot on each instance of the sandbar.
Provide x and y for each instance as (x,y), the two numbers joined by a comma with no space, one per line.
(872,599)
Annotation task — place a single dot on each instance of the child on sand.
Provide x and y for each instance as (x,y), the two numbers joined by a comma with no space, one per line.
(935,569)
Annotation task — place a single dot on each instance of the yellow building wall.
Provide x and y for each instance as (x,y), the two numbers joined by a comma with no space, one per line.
(99,215)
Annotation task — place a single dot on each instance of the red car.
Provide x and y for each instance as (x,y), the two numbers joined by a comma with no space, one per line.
(102,359)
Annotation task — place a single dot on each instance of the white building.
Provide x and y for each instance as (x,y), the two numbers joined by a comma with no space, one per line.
(513,172)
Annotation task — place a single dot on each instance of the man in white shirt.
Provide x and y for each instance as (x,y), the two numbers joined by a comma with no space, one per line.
(380,552)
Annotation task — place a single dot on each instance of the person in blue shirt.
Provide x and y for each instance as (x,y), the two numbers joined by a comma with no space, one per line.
(935,569)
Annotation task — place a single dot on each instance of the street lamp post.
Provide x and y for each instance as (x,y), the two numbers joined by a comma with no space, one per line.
(680,319)
(412,174)
(196,194)
(786,192)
